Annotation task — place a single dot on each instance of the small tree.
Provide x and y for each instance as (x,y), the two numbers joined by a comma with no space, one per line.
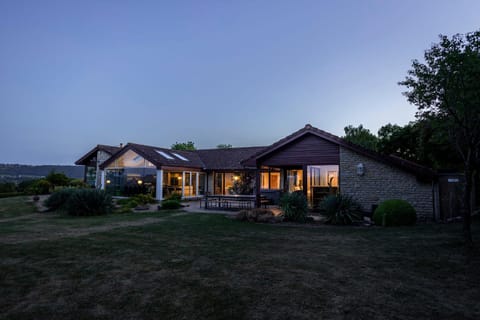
(446,88)
(57,179)
(189,145)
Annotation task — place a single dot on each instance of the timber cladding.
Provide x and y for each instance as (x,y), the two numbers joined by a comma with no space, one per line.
(307,150)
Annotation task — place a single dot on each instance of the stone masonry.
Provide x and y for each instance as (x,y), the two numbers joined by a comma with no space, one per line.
(382,182)
(102,156)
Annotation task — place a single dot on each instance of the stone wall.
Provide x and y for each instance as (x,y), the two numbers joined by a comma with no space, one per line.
(102,156)
(382,182)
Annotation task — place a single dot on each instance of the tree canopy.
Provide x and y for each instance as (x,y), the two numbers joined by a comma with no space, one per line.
(361,136)
(57,179)
(189,145)
(446,90)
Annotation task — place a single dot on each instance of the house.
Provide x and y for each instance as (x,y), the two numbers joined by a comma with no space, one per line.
(92,161)
(310,160)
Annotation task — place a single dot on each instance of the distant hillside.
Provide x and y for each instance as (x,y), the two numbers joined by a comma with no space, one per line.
(19,172)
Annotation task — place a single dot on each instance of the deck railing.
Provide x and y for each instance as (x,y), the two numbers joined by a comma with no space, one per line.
(229,202)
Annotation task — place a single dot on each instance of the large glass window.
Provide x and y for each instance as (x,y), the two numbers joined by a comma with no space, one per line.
(230,183)
(91,176)
(172,183)
(131,159)
(130,181)
(294,180)
(130,174)
(321,181)
(190,187)
(218,183)
(270,180)
(201,184)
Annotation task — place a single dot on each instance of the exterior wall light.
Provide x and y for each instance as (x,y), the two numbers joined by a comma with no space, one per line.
(108,181)
(360,169)
(236,178)
(139,182)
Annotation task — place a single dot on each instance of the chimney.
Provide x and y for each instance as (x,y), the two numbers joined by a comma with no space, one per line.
(121,145)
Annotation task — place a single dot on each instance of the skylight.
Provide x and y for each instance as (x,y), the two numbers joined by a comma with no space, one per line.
(164,154)
(179,156)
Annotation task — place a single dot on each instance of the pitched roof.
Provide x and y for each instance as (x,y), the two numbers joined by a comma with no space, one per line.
(99,147)
(242,158)
(409,166)
(227,159)
(161,156)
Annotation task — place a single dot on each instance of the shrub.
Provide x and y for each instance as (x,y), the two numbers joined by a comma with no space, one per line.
(89,202)
(132,203)
(341,209)
(171,204)
(78,183)
(25,185)
(144,199)
(58,199)
(123,201)
(10,194)
(259,215)
(395,212)
(295,206)
(7,187)
(174,196)
(40,186)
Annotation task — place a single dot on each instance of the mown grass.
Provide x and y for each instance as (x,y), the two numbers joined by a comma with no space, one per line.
(200,266)
(15,206)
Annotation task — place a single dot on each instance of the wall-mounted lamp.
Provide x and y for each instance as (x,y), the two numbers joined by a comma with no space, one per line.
(236,178)
(139,182)
(108,181)
(360,169)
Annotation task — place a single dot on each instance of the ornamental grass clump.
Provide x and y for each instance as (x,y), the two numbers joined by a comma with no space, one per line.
(341,209)
(294,206)
(395,212)
(59,199)
(88,202)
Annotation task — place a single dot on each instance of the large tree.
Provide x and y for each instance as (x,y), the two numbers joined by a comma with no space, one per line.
(361,136)
(446,88)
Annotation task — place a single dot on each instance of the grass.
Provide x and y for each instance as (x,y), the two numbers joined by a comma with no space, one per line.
(199,266)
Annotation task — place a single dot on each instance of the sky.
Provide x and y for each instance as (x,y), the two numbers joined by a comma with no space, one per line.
(74,74)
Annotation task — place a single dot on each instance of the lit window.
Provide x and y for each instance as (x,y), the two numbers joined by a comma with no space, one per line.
(179,156)
(270,180)
(164,154)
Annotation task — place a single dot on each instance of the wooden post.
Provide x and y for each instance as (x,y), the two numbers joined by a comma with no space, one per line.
(257,188)
(305,184)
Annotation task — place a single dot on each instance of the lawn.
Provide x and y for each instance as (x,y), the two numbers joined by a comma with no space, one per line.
(174,265)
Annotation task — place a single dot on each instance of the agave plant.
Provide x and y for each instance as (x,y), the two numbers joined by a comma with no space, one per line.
(341,209)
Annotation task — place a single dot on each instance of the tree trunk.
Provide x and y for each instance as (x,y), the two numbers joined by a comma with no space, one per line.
(467,212)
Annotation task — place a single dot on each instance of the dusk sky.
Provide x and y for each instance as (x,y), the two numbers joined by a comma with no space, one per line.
(74,74)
